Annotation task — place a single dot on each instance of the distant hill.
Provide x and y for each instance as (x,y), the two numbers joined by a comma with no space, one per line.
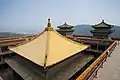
(79,29)
(10,34)
(85,30)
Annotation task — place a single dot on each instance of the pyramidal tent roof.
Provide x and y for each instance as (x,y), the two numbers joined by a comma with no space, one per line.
(48,48)
(65,25)
(102,24)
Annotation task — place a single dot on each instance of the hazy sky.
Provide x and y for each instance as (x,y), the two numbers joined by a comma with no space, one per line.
(31,15)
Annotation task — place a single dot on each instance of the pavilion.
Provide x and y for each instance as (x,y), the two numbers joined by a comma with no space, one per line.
(65,29)
(50,56)
(102,30)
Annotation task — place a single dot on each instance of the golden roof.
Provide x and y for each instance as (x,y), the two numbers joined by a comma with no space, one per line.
(49,48)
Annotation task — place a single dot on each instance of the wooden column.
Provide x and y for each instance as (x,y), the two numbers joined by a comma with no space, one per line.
(1,58)
(82,52)
(105,47)
(97,47)
(0,55)
(89,46)
(0,51)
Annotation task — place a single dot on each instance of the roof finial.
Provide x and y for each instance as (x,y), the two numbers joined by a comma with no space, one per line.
(65,23)
(49,27)
(49,24)
(103,20)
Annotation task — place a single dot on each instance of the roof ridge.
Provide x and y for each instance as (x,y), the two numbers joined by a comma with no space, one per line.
(47,29)
(67,38)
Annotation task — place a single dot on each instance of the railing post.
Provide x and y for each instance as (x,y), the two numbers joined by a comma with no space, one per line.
(102,65)
(95,74)
(105,59)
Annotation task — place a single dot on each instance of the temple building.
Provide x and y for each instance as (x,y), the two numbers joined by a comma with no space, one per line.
(102,30)
(65,29)
(50,56)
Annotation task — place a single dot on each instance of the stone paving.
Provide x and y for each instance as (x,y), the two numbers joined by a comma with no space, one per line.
(111,68)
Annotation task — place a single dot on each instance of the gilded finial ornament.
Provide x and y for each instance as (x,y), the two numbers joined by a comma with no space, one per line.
(49,24)
(65,23)
(103,20)
(49,27)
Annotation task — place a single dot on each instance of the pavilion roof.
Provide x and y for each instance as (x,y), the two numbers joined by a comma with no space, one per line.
(49,48)
(102,24)
(65,25)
